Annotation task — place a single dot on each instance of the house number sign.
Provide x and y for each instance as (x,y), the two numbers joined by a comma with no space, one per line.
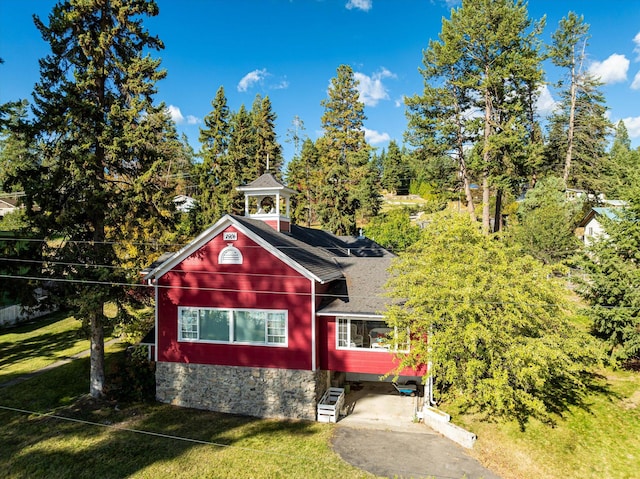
(230,236)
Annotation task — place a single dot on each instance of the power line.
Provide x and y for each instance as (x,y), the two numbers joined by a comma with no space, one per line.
(289,293)
(171,437)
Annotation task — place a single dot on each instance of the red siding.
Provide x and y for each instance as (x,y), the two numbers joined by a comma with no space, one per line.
(356,361)
(258,283)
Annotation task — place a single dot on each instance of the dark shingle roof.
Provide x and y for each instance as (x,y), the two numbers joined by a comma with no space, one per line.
(361,291)
(315,260)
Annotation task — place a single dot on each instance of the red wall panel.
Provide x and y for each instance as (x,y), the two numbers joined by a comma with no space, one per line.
(363,360)
(262,281)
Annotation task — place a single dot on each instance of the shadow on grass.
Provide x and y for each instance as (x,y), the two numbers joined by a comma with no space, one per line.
(46,446)
(46,345)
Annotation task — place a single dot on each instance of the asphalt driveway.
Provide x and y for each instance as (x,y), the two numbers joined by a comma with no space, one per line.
(391,453)
(379,435)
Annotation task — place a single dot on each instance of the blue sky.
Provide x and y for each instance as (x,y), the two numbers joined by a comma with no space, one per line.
(290,49)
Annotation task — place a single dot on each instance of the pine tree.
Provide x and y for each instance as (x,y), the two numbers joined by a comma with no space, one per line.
(586,123)
(267,146)
(242,155)
(394,169)
(349,188)
(487,59)
(16,153)
(612,286)
(214,172)
(303,176)
(622,170)
(96,126)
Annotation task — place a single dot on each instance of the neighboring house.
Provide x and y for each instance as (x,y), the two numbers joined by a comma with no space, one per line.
(591,224)
(8,205)
(184,203)
(258,316)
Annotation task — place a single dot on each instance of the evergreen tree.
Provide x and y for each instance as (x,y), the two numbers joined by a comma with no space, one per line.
(547,219)
(16,153)
(215,181)
(622,171)
(612,287)
(267,146)
(303,176)
(590,130)
(349,188)
(394,169)
(242,155)
(98,133)
(582,113)
(487,58)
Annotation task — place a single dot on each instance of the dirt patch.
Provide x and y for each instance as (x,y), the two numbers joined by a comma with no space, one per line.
(632,402)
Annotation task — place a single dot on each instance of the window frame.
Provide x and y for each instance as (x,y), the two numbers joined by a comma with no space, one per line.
(279,334)
(347,321)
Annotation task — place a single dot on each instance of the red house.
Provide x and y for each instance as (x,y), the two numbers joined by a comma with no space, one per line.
(258,316)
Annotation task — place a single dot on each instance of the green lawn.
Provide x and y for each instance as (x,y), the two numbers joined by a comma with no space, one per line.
(599,441)
(184,443)
(26,348)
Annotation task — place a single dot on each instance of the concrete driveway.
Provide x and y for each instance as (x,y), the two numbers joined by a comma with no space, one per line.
(379,435)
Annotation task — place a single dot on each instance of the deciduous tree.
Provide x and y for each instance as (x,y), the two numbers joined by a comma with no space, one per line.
(491,322)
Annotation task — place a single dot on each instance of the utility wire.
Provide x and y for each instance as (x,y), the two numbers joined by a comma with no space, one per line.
(289,293)
(157,434)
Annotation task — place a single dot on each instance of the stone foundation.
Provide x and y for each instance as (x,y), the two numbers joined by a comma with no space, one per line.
(260,392)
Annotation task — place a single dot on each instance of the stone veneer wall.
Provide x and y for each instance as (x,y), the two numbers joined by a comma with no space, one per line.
(260,392)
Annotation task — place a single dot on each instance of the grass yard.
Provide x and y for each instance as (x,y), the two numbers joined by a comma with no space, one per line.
(34,345)
(181,443)
(601,441)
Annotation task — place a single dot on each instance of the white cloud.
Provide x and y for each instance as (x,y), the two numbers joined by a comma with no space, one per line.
(371,88)
(633,126)
(178,118)
(251,78)
(612,70)
(176,114)
(364,5)
(283,85)
(374,137)
(636,49)
(545,104)
(635,84)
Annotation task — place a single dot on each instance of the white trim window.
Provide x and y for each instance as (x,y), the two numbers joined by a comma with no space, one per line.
(365,334)
(241,326)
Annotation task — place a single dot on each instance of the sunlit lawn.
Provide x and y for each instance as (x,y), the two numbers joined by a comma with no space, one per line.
(183,443)
(599,441)
(29,347)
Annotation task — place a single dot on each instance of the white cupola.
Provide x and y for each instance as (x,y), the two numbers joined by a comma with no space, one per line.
(268,200)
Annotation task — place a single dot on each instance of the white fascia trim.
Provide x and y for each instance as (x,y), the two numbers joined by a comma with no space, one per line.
(190,248)
(350,315)
(213,231)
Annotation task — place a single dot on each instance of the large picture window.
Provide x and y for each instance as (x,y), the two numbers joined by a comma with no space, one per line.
(370,334)
(245,326)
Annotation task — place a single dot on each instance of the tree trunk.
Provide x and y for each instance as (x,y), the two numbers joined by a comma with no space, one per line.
(497,217)
(96,387)
(571,128)
(486,156)
(467,188)
(486,212)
